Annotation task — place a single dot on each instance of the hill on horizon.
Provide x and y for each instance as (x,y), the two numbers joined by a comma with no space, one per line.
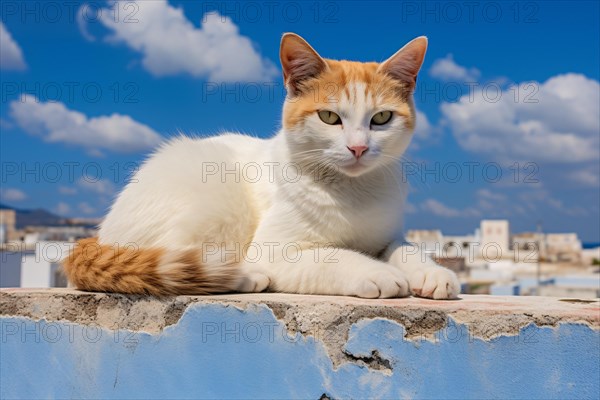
(37,217)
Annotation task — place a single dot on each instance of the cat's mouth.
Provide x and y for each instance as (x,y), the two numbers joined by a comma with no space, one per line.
(354,168)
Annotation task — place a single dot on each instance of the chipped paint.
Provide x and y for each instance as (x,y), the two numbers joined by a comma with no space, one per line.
(62,343)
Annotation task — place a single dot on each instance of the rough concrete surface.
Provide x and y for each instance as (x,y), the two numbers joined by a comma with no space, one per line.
(327,318)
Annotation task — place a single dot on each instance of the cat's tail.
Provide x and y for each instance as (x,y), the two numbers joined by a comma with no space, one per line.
(160,272)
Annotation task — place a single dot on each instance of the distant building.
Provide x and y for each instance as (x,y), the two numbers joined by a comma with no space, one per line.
(492,261)
(42,268)
(495,236)
(456,264)
(588,256)
(8,221)
(33,266)
(585,286)
(466,247)
(527,240)
(11,259)
(34,234)
(563,247)
(528,246)
(427,240)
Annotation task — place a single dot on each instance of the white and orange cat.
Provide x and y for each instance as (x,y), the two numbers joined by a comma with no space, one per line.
(316,209)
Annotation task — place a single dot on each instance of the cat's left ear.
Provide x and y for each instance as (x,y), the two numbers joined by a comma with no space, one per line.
(406,63)
(299,61)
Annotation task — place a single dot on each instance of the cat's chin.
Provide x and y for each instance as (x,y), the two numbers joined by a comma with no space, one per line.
(356,169)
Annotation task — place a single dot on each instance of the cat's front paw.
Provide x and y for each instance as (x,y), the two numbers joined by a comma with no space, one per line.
(253,282)
(380,283)
(434,283)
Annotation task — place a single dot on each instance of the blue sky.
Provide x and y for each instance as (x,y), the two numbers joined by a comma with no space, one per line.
(508,97)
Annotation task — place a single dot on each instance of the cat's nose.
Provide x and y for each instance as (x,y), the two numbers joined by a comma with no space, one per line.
(358,150)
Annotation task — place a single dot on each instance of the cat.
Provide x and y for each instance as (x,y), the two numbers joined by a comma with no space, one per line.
(316,209)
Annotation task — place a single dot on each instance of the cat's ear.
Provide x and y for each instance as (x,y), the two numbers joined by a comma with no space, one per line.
(299,61)
(406,63)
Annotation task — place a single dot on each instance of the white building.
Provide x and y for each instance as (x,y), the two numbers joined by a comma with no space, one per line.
(465,246)
(495,239)
(563,247)
(426,240)
(58,233)
(11,260)
(34,265)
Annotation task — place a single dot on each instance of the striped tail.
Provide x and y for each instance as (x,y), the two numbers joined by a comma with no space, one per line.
(160,272)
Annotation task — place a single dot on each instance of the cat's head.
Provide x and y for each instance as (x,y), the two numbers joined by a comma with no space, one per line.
(352,116)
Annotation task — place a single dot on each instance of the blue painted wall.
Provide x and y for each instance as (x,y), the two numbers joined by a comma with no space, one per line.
(218,351)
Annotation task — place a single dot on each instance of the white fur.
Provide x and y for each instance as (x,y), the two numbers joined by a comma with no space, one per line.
(321,232)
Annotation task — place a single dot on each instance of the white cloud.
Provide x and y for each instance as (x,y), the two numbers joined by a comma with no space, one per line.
(69,191)
(423,127)
(534,199)
(425,133)
(556,121)
(10,194)
(62,209)
(82,18)
(171,44)
(446,69)
(489,195)
(11,56)
(488,200)
(102,186)
(493,204)
(85,208)
(55,123)
(586,177)
(437,208)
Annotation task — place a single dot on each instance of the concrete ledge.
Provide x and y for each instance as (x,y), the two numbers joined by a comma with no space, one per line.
(67,343)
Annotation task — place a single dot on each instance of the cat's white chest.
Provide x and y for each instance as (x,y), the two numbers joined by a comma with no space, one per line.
(367,229)
(365,223)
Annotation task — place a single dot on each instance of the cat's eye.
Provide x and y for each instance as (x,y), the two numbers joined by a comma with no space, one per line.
(329,117)
(381,118)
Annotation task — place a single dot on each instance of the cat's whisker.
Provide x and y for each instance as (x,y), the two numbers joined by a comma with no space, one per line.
(309,152)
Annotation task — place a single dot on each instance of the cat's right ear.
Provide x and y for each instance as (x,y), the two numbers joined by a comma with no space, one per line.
(406,63)
(299,62)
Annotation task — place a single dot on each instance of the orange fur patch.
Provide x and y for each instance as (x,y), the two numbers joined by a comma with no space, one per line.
(95,267)
(317,93)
